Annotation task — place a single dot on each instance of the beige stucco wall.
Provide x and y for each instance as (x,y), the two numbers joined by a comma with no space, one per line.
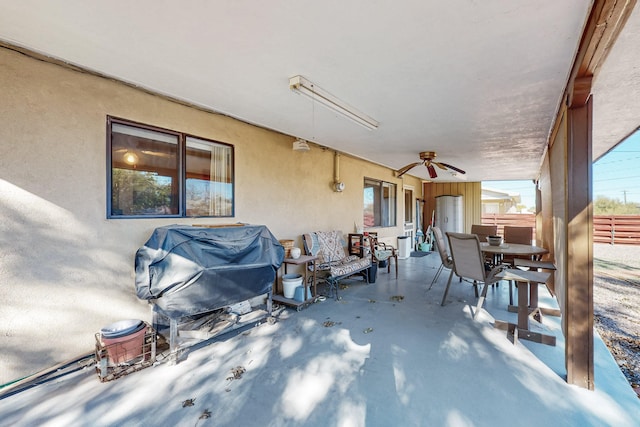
(65,270)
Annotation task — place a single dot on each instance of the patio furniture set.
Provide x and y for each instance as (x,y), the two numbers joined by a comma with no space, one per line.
(202,281)
(516,261)
(329,262)
(188,272)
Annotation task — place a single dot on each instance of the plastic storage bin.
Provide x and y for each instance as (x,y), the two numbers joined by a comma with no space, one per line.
(404,247)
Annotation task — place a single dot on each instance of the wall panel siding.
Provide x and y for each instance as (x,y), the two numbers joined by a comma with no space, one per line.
(558,185)
(471,192)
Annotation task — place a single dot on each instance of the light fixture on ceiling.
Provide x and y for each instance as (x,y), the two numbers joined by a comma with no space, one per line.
(300,145)
(303,86)
(130,158)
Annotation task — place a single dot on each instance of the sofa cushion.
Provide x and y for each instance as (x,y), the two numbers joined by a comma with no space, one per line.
(333,261)
(382,254)
(331,246)
(351,267)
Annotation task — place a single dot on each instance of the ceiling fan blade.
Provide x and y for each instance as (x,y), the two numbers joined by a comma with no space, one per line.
(432,171)
(454,168)
(440,165)
(406,169)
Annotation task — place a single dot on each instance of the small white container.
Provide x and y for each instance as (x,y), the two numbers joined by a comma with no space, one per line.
(295,253)
(289,284)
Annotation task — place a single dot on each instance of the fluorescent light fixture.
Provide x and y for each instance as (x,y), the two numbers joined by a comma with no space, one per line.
(300,145)
(303,86)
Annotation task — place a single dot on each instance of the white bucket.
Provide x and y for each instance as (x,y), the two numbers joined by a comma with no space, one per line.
(289,284)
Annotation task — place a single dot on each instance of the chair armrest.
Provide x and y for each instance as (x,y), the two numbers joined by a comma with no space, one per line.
(386,247)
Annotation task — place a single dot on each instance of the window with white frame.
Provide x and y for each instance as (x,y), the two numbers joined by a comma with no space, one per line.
(154,172)
(379,203)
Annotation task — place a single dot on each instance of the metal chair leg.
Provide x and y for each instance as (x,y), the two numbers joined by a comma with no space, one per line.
(437,275)
(483,295)
(446,290)
(333,284)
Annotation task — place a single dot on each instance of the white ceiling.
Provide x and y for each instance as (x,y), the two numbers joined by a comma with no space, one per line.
(616,91)
(477,81)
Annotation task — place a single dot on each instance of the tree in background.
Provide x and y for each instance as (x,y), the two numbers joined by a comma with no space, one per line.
(139,192)
(608,206)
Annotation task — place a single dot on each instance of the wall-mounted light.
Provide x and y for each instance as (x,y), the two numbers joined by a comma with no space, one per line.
(304,87)
(130,158)
(300,145)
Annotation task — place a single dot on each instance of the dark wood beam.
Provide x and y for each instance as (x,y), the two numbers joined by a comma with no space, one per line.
(606,20)
(604,24)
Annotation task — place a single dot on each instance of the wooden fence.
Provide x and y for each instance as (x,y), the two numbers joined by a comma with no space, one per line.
(613,229)
(616,229)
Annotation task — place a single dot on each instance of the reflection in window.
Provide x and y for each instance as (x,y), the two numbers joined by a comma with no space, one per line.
(147,177)
(379,203)
(209,172)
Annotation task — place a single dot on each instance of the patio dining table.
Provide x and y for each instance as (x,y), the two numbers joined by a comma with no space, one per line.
(513,249)
(517,250)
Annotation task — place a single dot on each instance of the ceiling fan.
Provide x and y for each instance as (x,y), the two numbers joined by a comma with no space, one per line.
(427,158)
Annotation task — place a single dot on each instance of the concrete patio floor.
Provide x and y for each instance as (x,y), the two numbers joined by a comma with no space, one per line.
(383,361)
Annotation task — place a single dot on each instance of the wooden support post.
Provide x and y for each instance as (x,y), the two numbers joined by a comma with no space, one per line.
(578,321)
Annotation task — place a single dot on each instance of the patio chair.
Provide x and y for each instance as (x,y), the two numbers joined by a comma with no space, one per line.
(468,263)
(521,235)
(381,251)
(333,263)
(441,246)
(483,231)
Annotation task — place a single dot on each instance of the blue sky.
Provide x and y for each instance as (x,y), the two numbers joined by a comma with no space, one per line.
(615,175)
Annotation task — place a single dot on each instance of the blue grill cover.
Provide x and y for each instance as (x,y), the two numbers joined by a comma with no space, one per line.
(190,270)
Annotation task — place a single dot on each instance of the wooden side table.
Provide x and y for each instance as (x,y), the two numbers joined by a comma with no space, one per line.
(302,260)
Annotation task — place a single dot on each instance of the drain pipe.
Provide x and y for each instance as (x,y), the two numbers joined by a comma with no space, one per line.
(338,186)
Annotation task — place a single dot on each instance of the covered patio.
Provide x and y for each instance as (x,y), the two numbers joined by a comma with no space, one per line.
(500,91)
(372,358)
